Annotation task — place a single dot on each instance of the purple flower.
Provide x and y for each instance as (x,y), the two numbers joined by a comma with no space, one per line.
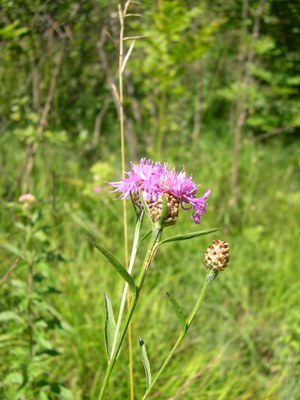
(97,189)
(143,177)
(154,179)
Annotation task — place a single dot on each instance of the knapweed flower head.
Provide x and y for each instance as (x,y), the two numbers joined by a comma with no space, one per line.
(217,255)
(155,181)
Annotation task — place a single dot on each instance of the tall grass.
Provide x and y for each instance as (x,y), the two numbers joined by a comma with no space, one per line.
(245,342)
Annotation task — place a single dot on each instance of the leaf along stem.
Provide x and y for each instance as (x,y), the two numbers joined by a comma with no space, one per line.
(152,249)
(209,278)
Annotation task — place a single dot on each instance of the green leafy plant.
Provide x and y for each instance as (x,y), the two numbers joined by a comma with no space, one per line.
(157,194)
(29,323)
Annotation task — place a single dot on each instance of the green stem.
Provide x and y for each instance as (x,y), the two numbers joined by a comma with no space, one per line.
(211,275)
(209,278)
(117,348)
(153,246)
(29,248)
(130,267)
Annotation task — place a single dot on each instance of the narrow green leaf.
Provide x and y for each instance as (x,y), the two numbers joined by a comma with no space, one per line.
(10,316)
(115,263)
(110,326)
(49,352)
(134,205)
(145,205)
(145,361)
(178,311)
(190,235)
(144,237)
(164,211)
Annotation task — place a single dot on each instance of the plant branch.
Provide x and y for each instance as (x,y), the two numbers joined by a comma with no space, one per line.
(274,132)
(209,278)
(43,120)
(10,270)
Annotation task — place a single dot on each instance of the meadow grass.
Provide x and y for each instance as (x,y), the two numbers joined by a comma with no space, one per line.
(244,344)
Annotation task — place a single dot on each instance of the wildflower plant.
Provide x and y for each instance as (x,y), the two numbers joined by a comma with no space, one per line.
(30,323)
(157,193)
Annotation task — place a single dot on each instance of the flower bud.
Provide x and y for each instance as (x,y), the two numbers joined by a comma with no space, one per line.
(217,255)
(173,209)
(26,199)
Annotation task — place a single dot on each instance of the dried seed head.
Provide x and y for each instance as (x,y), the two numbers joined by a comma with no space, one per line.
(217,255)
(173,209)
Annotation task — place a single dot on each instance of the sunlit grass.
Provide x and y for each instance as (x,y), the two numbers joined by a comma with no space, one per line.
(245,342)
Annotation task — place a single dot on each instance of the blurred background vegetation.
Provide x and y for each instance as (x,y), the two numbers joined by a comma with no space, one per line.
(213,86)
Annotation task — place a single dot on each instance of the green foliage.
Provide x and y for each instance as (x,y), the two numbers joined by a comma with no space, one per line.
(12,31)
(175,39)
(28,326)
(245,344)
(178,311)
(187,236)
(115,263)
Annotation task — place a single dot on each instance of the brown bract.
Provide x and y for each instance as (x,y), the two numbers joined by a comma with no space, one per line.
(173,209)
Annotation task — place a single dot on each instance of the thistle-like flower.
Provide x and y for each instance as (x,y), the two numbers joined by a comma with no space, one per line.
(26,199)
(155,180)
(217,255)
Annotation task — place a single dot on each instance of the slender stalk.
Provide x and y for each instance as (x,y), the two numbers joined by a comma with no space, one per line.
(130,267)
(117,348)
(209,278)
(29,310)
(121,93)
(30,290)
(153,246)
(28,248)
(211,275)
(122,133)
(3,280)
